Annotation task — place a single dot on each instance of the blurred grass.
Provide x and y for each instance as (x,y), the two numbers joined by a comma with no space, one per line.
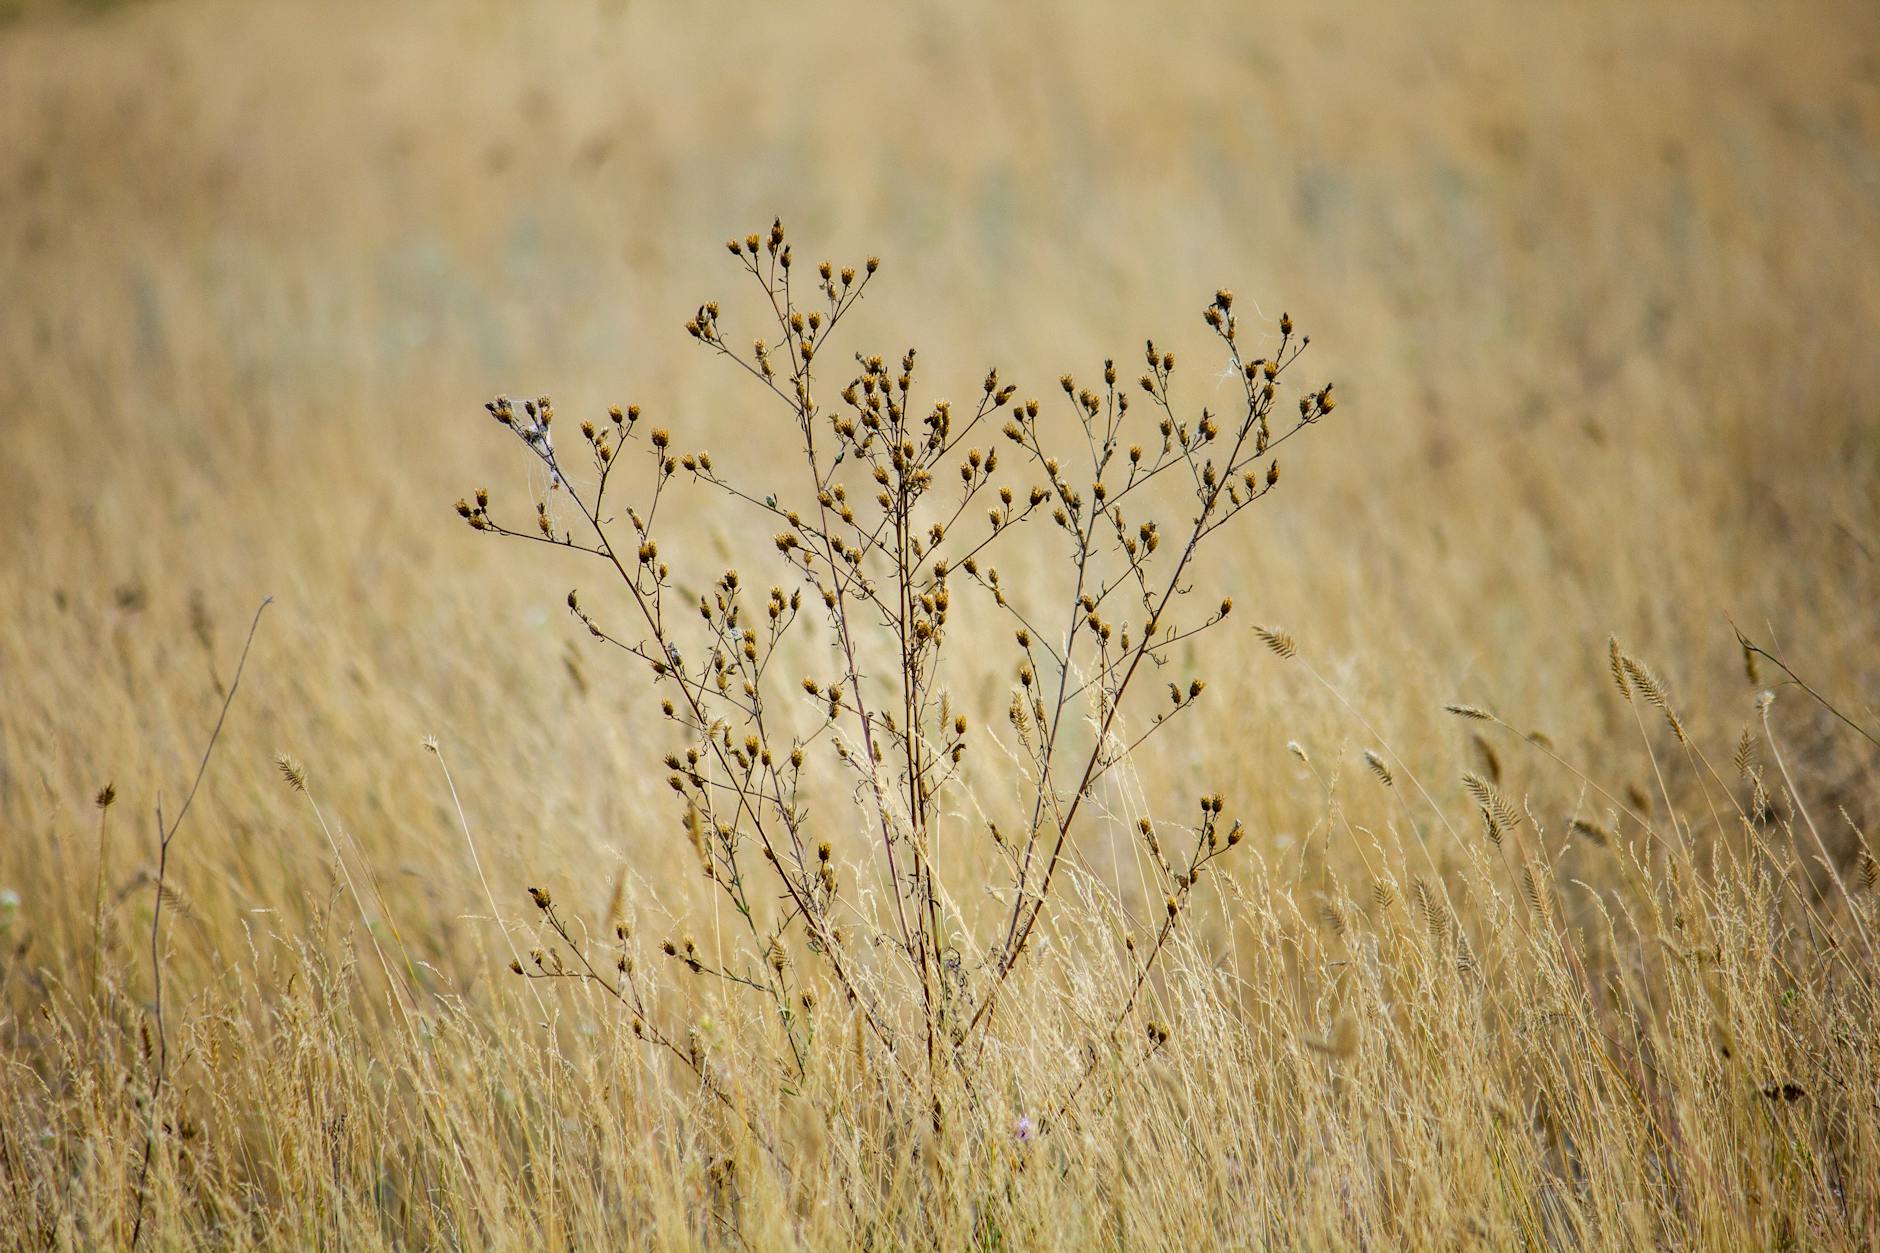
(1599,286)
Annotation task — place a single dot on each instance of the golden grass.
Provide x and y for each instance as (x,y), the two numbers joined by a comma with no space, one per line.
(1588,961)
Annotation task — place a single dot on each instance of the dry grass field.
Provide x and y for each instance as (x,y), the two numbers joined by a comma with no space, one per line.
(1598,287)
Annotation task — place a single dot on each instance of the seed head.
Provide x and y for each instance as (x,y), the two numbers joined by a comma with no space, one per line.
(290,770)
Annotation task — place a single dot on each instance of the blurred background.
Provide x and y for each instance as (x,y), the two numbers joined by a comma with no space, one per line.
(1599,285)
